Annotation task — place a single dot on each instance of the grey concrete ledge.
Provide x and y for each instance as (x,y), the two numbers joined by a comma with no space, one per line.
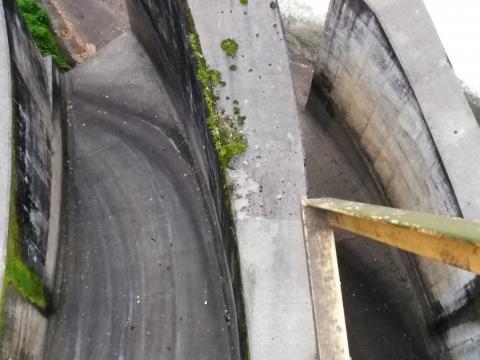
(268,179)
(5,139)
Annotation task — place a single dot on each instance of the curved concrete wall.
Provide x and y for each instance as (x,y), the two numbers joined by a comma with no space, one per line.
(33,100)
(161,28)
(385,74)
(265,199)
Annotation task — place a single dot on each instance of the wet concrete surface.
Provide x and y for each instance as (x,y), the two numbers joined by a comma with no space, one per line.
(139,276)
(376,283)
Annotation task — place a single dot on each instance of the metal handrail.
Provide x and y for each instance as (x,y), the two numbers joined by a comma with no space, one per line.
(452,241)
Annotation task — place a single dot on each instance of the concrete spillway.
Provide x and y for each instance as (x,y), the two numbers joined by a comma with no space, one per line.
(148,266)
(140,276)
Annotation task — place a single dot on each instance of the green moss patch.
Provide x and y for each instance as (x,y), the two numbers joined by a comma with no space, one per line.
(237,145)
(229,141)
(39,25)
(25,281)
(230,47)
(244,2)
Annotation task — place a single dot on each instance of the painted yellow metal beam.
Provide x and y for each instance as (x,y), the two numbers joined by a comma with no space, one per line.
(450,240)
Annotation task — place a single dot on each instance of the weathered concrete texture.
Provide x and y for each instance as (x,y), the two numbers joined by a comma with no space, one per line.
(24,331)
(387,74)
(92,21)
(439,94)
(6,109)
(36,109)
(161,28)
(58,111)
(302,75)
(141,277)
(377,280)
(33,131)
(369,85)
(268,179)
(450,121)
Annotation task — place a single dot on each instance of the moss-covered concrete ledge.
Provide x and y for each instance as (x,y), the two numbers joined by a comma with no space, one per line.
(30,180)
(267,181)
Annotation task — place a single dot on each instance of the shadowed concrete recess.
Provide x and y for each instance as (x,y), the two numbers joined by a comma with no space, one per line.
(140,277)
(376,279)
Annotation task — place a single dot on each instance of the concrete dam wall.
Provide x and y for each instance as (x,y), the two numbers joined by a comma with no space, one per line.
(32,141)
(265,206)
(161,28)
(38,111)
(384,75)
(381,74)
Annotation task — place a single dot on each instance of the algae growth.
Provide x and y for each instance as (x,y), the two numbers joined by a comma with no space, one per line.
(230,47)
(40,26)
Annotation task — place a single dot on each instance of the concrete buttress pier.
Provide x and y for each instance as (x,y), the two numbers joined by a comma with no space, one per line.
(268,179)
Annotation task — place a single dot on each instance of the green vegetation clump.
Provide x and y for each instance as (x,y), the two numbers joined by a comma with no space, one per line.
(39,25)
(244,2)
(25,281)
(230,47)
(227,137)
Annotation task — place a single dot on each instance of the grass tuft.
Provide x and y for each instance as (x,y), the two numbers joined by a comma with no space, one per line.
(229,141)
(244,2)
(230,47)
(39,25)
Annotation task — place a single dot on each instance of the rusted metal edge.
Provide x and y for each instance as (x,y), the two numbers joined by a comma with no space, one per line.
(453,241)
